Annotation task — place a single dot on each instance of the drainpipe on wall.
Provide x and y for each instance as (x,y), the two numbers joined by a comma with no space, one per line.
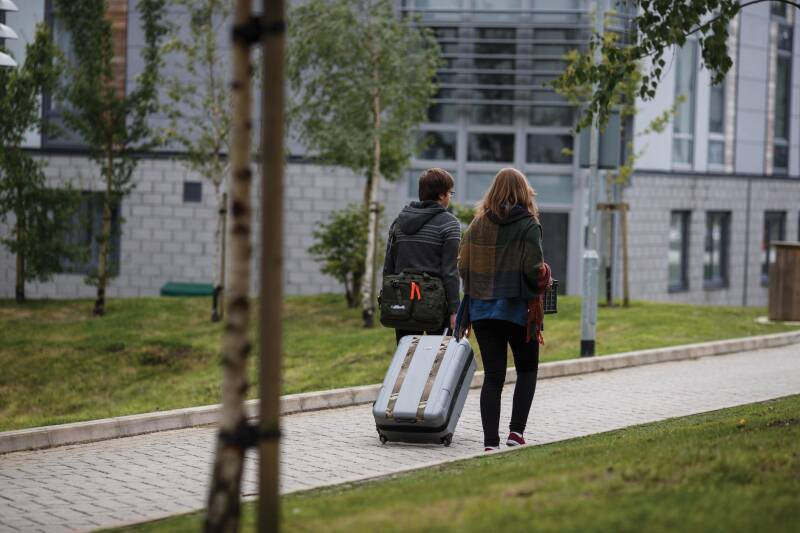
(747,243)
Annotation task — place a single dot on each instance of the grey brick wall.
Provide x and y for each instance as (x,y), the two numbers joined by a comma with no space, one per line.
(165,239)
(653,197)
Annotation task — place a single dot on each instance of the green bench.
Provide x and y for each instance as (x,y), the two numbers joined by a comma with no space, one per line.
(175,288)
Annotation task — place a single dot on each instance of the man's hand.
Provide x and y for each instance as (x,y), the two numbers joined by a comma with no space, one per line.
(453,323)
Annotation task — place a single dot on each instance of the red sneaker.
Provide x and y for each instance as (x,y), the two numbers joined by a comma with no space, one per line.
(515,439)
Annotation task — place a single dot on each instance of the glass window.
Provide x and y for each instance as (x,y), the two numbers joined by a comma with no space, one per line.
(783,89)
(716,153)
(85,229)
(683,125)
(778,9)
(491,114)
(782,92)
(716,120)
(494,147)
(192,191)
(438,145)
(552,189)
(774,230)
(550,149)
(715,258)
(477,185)
(443,113)
(678,256)
(551,116)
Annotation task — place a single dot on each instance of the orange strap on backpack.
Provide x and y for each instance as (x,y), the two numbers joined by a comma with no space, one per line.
(415,290)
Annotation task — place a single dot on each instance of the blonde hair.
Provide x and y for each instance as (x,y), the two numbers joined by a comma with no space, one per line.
(509,187)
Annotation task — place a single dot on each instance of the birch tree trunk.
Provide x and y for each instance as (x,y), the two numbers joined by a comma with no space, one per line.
(367,291)
(271,297)
(223,511)
(105,237)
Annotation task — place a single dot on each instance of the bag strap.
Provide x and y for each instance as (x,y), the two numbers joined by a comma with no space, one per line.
(437,363)
(401,377)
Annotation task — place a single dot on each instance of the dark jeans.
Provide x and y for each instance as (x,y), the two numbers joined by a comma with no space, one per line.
(493,337)
(400,333)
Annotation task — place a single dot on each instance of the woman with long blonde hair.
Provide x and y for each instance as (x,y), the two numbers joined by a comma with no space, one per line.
(502,267)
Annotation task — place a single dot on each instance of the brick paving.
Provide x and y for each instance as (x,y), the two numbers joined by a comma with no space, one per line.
(115,482)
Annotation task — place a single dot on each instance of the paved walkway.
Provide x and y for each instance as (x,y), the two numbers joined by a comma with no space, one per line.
(103,484)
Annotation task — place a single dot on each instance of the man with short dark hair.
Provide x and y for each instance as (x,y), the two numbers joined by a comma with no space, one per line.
(425,237)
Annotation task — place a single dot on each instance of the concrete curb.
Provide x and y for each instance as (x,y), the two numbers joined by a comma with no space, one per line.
(127,426)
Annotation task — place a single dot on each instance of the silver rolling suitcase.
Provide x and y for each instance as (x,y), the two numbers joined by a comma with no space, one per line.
(424,390)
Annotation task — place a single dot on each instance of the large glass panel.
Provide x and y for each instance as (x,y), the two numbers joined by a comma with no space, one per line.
(552,189)
(716,153)
(491,114)
(774,230)
(785,38)
(443,113)
(551,116)
(678,246)
(477,185)
(716,112)
(782,92)
(778,9)
(85,228)
(549,149)
(493,147)
(437,145)
(683,124)
(715,267)
(780,158)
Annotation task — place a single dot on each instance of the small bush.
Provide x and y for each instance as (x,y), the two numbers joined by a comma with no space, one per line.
(341,247)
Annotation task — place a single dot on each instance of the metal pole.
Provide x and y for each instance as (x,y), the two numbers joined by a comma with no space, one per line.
(271,289)
(590,257)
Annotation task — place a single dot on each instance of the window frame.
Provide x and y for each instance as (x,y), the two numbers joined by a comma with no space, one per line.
(783,56)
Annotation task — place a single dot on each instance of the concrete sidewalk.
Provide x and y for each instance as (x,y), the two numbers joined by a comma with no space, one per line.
(114,482)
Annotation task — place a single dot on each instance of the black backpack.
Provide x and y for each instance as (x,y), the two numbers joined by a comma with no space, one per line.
(411,300)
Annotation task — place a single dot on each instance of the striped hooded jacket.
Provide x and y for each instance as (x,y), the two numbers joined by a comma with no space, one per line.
(501,258)
(425,237)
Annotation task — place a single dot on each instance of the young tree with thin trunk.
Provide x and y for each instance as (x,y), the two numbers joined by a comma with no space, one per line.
(41,214)
(111,121)
(199,107)
(363,78)
(235,433)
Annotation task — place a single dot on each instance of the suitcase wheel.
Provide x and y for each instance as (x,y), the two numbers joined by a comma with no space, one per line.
(383,439)
(447,439)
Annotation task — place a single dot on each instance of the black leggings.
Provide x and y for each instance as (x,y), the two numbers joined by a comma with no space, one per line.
(493,337)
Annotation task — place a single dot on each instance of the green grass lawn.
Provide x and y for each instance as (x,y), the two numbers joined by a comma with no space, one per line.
(731,470)
(61,365)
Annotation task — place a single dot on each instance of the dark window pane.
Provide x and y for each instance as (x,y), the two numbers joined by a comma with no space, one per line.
(551,116)
(715,258)
(716,153)
(780,161)
(86,228)
(785,38)
(782,92)
(491,114)
(716,120)
(677,260)
(494,64)
(774,230)
(442,113)
(439,145)
(549,149)
(495,147)
(192,191)
(778,9)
